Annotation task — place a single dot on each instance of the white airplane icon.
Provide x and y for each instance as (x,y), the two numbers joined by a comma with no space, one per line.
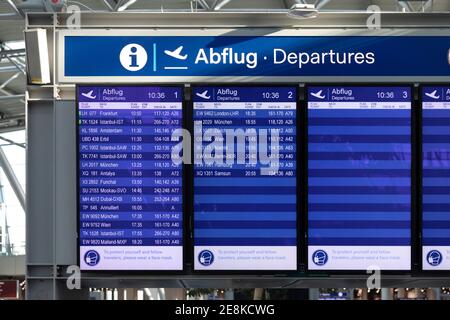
(318,94)
(432,95)
(203,95)
(89,95)
(176,53)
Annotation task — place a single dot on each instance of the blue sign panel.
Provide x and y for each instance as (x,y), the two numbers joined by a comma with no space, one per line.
(245,189)
(436,178)
(147,56)
(130,191)
(359,178)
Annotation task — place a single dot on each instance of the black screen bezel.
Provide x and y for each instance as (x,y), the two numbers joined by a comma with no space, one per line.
(442,272)
(298,179)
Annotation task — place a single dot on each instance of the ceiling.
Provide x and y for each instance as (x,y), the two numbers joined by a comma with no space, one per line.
(12,106)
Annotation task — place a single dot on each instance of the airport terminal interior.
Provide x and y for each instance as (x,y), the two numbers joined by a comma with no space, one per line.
(225,149)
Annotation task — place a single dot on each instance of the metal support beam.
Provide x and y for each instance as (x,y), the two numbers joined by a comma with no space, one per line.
(234,18)
(106,3)
(221,4)
(9,16)
(8,69)
(12,123)
(14,7)
(16,96)
(117,5)
(320,3)
(8,81)
(19,56)
(424,5)
(428,5)
(406,5)
(290,3)
(5,92)
(19,66)
(204,4)
(11,142)
(125,5)
(12,53)
(12,178)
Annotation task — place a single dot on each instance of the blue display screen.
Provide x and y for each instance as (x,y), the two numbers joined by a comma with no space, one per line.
(436,178)
(359,178)
(130,191)
(245,189)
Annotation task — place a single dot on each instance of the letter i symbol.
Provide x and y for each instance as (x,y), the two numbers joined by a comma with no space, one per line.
(133,57)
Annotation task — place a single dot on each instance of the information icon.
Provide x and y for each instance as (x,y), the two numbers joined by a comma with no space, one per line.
(133,57)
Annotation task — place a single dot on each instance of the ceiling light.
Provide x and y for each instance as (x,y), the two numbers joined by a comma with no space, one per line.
(303,11)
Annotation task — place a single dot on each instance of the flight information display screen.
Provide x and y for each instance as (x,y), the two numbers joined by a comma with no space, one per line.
(436,178)
(245,190)
(359,178)
(130,191)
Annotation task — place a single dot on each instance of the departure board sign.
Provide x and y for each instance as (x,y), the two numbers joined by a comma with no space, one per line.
(436,178)
(130,191)
(359,178)
(87,55)
(245,190)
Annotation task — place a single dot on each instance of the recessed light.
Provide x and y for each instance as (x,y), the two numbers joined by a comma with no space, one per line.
(303,11)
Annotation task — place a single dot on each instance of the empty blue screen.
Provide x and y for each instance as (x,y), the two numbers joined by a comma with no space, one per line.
(359,177)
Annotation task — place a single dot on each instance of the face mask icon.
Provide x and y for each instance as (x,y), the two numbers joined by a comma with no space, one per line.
(206,257)
(320,257)
(92,258)
(434,258)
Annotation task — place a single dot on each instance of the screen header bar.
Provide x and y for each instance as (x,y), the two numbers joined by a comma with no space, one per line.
(436,94)
(358,94)
(129,94)
(244,94)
